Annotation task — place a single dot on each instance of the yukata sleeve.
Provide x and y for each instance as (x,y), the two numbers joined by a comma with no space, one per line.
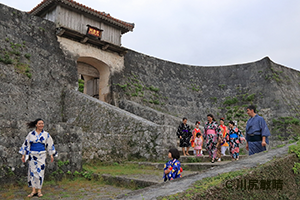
(205,132)
(193,136)
(227,136)
(50,146)
(179,131)
(219,131)
(190,132)
(175,171)
(241,137)
(265,132)
(166,166)
(25,148)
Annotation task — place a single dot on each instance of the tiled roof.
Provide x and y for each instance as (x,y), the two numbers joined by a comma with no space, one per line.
(102,15)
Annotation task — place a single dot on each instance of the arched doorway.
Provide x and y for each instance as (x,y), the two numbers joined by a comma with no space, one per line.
(95,74)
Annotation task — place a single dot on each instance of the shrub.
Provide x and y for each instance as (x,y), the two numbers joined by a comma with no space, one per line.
(80,85)
(230,101)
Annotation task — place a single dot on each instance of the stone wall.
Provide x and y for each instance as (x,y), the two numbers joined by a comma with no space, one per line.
(111,133)
(194,91)
(34,72)
(151,114)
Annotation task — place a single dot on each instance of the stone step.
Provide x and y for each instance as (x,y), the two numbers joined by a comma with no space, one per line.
(205,158)
(203,165)
(189,166)
(191,151)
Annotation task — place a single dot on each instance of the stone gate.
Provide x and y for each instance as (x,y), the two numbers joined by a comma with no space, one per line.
(93,37)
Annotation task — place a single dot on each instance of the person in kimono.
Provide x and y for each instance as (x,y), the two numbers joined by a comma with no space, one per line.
(234,137)
(257,132)
(184,134)
(211,136)
(198,144)
(172,169)
(34,149)
(223,130)
(194,133)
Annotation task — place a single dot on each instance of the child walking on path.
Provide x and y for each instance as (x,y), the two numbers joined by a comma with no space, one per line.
(172,168)
(198,144)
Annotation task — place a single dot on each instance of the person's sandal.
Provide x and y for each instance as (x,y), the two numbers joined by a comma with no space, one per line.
(40,194)
(31,194)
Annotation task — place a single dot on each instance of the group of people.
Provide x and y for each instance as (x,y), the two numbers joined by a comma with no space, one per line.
(218,137)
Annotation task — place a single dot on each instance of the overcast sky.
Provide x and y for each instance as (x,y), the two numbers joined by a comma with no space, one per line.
(205,32)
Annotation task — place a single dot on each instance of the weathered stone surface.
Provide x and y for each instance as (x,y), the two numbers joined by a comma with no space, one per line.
(195,91)
(34,72)
(112,133)
(151,114)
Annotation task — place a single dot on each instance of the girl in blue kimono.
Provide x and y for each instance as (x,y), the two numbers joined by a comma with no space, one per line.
(172,168)
(34,148)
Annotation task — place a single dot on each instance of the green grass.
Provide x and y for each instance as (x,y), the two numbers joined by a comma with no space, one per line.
(120,169)
(80,186)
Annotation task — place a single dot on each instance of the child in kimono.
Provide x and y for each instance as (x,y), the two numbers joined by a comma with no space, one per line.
(198,144)
(172,168)
(194,133)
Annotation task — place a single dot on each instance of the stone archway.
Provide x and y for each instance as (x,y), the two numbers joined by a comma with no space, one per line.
(96,76)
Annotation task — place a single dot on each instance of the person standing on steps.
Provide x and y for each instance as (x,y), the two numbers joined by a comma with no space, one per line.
(194,133)
(257,132)
(198,144)
(234,137)
(184,134)
(34,148)
(224,131)
(211,136)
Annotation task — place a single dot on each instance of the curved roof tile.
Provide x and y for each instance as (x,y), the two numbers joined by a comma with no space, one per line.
(74,4)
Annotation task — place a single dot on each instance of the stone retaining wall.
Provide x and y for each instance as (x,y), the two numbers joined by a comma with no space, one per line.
(111,133)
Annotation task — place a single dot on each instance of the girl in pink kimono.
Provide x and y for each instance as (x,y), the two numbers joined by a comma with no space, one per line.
(198,144)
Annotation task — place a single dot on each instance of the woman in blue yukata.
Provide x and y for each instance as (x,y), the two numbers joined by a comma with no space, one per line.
(234,137)
(34,149)
(172,168)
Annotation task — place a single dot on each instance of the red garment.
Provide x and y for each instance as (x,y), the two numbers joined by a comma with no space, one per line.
(194,133)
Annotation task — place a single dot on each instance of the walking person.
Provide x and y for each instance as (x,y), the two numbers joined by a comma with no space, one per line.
(34,149)
(234,137)
(184,134)
(211,136)
(257,132)
(223,131)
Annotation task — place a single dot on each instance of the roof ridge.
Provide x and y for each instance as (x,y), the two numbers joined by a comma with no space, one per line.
(85,8)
